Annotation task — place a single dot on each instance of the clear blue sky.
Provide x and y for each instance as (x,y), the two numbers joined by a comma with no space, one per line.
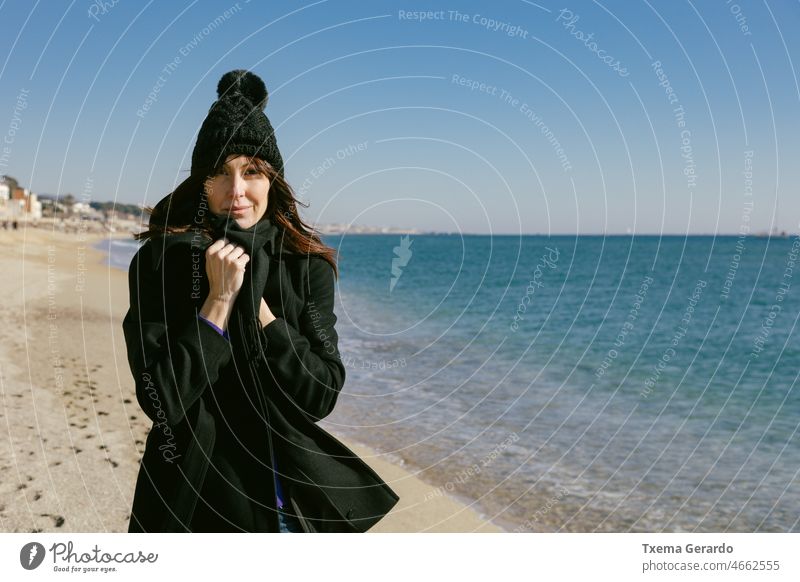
(435,154)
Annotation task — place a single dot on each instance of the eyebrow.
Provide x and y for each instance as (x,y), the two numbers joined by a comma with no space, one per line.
(244,165)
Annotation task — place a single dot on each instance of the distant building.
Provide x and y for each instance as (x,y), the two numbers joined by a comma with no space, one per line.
(33,207)
(85,210)
(18,203)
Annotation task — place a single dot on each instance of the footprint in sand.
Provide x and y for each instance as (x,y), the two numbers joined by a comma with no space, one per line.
(58,521)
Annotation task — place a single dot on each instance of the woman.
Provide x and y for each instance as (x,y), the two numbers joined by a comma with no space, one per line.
(231,342)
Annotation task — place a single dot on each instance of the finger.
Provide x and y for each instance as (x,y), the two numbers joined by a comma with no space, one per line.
(227,250)
(215,246)
(235,253)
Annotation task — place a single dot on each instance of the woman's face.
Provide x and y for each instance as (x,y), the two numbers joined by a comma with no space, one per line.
(239,190)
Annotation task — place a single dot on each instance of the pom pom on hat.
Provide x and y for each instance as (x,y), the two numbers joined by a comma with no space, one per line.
(245,83)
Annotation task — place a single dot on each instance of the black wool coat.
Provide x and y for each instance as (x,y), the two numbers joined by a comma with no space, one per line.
(222,409)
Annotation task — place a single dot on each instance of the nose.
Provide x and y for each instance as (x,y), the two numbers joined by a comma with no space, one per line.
(237,185)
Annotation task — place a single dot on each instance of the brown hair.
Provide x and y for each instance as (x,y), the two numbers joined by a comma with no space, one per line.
(178,212)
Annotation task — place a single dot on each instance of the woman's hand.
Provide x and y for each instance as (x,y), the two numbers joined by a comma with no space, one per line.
(265,315)
(225,265)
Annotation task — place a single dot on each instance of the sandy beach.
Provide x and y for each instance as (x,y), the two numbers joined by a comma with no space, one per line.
(74,431)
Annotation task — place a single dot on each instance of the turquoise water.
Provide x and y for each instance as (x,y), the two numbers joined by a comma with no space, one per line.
(579,383)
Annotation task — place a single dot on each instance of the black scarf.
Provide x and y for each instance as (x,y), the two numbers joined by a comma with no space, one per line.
(244,329)
(259,242)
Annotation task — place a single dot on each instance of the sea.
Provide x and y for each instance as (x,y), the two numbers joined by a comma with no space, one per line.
(577,383)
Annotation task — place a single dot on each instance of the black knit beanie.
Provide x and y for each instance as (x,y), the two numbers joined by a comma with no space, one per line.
(236,124)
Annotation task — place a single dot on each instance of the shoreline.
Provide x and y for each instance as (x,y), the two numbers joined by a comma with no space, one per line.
(75,430)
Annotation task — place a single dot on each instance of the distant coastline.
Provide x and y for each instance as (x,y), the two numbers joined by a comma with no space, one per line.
(122,228)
